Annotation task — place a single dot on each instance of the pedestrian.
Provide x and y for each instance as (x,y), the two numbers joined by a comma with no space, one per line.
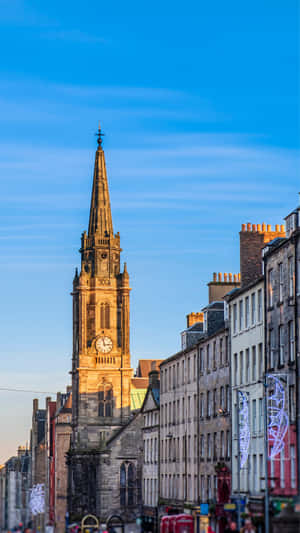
(232,526)
(248,527)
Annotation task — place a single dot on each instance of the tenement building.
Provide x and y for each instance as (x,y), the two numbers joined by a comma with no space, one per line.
(14,491)
(104,459)
(63,430)
(246,309)
(150,478)
(282,295)
(195,439)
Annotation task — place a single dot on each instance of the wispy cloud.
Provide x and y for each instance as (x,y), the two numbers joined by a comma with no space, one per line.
(73,35)
(131,94)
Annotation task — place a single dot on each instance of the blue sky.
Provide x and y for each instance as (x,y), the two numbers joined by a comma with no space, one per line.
(199,102)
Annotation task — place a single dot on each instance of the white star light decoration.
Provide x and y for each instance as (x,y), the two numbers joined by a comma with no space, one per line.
(37,499)
(244,428)
(278,420)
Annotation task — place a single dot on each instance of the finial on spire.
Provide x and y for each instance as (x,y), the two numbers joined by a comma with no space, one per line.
(99,135)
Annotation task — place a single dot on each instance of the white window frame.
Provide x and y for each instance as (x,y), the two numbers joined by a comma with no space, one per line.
(254,417)
(234,318)
(254,473)
(247,352)
(241,315)
(259,306)
(235,368)
(281,344)
(260,360)
(291,276)
(247,312)
(272,347)
(271,287)
(253,308)
(254,365)
(208,440)
(241,367)
(280,268)
(291,340)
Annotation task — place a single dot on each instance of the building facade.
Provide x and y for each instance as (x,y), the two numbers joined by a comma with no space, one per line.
(282,296)
(195,401)
(63,431)
(246,311)
(150,481)
(102,373)
(14,491)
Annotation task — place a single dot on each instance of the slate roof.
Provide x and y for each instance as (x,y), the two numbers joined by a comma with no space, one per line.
(145,367)
(136,398)
(156,395)
(140,383)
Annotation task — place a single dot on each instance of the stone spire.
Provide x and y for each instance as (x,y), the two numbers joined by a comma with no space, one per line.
(100,213)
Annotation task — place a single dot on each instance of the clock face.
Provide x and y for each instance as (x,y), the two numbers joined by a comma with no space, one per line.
(104,344)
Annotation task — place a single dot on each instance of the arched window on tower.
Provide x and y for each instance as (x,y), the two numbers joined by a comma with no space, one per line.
(108,401)
(107,316)
(131,484)
(127,485)
(123,485)
(105,399)
(104,316)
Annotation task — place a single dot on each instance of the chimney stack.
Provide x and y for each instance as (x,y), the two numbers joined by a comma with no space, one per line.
(154,379)
(252,241)
(221,285)
(193,318)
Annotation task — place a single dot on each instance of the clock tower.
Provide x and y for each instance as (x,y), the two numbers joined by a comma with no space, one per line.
(101,372)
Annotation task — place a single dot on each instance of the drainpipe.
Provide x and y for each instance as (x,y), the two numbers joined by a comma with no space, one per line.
(239,462)
(266,450)
(198,423)
(296,326)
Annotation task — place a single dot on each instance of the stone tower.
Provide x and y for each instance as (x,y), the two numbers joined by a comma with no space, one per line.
(101,371)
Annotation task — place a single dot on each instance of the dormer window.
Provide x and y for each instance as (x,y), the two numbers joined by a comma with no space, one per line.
(205,321)
(291,224)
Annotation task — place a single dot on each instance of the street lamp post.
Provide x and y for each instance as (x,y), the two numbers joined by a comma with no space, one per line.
(267,526)
(239,462)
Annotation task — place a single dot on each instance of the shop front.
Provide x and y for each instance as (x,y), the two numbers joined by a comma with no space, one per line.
(150,519)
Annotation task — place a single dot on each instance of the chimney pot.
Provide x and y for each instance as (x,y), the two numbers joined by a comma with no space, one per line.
(225,277)
(282,228)
(230,276)
(253,227)
(248,226)
(220,276)
(235,278)
(269,228)
(214,276)
(277,228)
(259,227)
(239,276)
(154,378)
(243,227)
(264,227)
(35,405)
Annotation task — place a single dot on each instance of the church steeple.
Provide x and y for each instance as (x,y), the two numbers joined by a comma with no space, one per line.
(100,222)
(101,370)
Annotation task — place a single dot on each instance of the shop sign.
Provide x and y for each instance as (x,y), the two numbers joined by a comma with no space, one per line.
(256,507)
(203,524)
(229,507)
(204,508)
